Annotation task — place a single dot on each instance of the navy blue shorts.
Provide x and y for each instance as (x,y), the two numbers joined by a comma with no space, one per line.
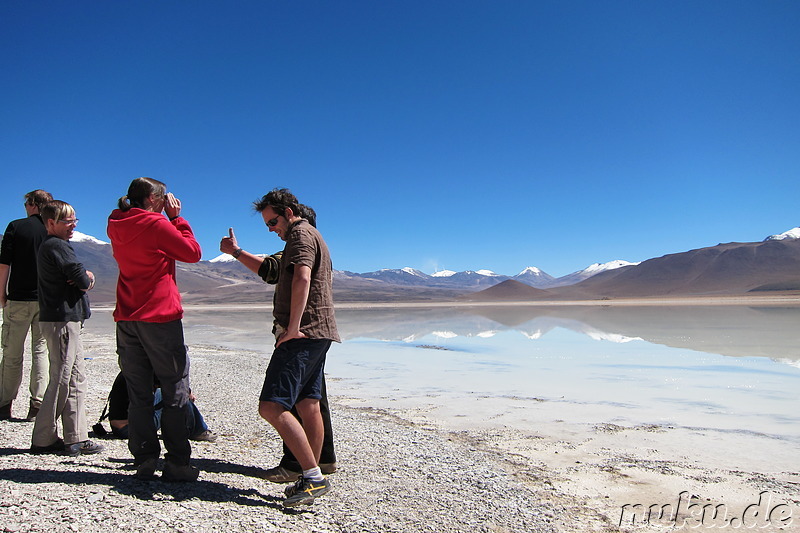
(295,372)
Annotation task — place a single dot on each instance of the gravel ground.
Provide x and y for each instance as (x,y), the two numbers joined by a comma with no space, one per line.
(393,476)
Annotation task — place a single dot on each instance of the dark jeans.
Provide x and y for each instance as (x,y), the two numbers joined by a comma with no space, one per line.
(145,350)
(328,453)
(194,419)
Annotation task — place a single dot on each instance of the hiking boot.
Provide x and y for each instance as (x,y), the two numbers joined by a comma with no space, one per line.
(57,446)
(86,447)
(5,412)
(146,470)
(32,412)
(206,436)
(305,491)
(281,474)
(174,472)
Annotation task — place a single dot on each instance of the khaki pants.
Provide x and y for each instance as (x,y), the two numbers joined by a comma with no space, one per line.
(18,318)
(65,397)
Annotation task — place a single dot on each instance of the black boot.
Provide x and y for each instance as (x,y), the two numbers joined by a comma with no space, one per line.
(32,412)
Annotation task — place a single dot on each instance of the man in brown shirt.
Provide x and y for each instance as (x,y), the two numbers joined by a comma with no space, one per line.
(268,268)
(305,328)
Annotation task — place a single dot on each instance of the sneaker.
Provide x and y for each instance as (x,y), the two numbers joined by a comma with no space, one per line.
(146,470)
(305,491)
(174,472)
(86,447)
(57,446)
(280,474)
(5,412)
(207,436)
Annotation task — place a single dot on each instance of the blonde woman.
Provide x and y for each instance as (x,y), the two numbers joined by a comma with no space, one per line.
(63,308)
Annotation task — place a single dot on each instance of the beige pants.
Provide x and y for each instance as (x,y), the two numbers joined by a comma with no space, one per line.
(65,397)
(18,318)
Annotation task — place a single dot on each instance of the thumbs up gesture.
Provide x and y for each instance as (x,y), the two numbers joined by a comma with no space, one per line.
(228,244)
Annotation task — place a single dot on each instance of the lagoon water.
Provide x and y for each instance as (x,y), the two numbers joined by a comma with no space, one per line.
(728,368)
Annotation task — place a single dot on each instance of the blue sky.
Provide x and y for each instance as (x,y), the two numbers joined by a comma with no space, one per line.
(437,135)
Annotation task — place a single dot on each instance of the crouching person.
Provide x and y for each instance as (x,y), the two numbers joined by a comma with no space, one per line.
(118,402)
(63,308)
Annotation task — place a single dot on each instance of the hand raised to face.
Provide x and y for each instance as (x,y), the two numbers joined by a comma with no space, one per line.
(172,206)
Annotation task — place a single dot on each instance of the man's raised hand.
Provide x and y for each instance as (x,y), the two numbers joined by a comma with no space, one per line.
(228,244)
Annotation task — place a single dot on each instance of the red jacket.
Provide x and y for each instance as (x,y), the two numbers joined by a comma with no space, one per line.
(146,246)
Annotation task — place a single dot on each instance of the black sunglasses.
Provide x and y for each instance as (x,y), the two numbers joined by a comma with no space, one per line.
(273,221)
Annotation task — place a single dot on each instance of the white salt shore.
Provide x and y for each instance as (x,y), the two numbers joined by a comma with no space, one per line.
(405,466)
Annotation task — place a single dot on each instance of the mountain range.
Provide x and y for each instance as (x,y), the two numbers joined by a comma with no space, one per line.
(768,267)
(733,268)
(469,279)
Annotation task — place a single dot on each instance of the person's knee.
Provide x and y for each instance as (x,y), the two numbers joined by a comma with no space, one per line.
(308,408)
(270,411)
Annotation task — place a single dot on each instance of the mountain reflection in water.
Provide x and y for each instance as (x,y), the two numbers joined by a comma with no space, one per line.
(738,331)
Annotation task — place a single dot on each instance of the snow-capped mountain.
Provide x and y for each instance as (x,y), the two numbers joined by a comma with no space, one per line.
(450,273)
(414,272)
(77,236)
(596,268)
(402,276)
(588,272)
(443,278)
(223,258)
(534,277)
(793,233)
(471,279)
(227,258)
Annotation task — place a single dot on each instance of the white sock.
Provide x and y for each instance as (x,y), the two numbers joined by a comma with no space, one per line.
(314,474)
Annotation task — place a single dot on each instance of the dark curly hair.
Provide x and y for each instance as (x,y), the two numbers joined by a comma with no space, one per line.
(278,200)
(308,213)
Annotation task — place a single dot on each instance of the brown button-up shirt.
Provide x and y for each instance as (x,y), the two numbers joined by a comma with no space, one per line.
(305,246)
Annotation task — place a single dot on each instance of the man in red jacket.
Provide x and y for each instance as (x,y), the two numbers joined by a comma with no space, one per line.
(150,342)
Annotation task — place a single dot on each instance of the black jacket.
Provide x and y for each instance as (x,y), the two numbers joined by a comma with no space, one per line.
(61,280)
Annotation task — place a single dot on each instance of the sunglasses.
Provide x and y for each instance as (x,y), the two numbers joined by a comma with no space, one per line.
(273,221)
